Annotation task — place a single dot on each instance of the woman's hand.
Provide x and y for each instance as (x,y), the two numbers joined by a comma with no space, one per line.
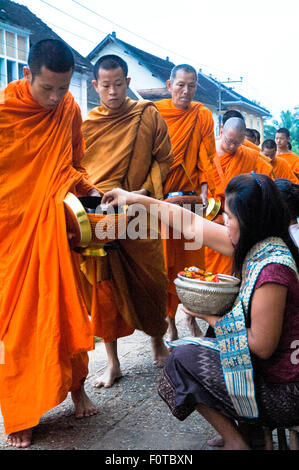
(210,319)
(119,197)
(142,192)
(94,193)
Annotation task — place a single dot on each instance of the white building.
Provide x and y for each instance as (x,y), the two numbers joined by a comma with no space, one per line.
(148,81)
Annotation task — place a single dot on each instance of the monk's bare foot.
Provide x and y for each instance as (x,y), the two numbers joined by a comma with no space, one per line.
(111,375)
(195,330)
(20,439)
(160,352)
(84,407)
(172,330)
(216,441)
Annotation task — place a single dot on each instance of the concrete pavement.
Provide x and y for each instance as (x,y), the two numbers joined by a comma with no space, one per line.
(131,415)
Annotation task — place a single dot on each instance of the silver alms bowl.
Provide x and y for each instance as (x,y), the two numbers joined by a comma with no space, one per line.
(208,297)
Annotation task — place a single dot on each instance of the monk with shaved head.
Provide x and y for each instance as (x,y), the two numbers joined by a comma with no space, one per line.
(44,326)
(281,168)
(191,130)
(232,159)
(282,140)
(127,146)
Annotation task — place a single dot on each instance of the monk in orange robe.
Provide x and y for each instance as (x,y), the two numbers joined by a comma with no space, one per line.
(251,139)
(128,146)
(191,130)
(282,139)
(44,327)
(280,167)
(232,159)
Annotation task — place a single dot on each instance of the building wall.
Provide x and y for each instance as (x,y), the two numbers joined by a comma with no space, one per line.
(252,120)
(78,88)
(142,78)
(14,49)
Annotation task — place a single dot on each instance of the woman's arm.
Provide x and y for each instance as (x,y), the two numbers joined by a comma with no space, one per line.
(191,225)
(267,312)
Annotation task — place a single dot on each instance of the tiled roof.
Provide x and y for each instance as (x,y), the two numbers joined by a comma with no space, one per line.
(229,97)
(160,68)
(20,16)
(207,91)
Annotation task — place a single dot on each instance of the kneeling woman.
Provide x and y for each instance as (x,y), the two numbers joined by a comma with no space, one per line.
(249,372)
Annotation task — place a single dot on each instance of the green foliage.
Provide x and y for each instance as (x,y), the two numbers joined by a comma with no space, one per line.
(289,120)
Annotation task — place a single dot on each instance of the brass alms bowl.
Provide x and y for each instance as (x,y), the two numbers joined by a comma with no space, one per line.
(91,226)
(213,208)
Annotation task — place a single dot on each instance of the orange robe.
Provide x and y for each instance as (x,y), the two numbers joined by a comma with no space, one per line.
(126,290)
(44,323)
(292,159)
(259,154)
(251,145)
(192,136)
(226,167)
(282,169)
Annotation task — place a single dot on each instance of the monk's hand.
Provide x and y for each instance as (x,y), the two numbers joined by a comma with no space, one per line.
(204,195)
(70,236)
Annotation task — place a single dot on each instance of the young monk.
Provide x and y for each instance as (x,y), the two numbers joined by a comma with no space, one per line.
(233,158)
(250,135)
(281,168)
(44,326)
(127,145)
(257,137)
(191,130)
(282,139)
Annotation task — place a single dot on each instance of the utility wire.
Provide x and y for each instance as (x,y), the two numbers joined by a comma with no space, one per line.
(70,32)
(125,29)
(73,17)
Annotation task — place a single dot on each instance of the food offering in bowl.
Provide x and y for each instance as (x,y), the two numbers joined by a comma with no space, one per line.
(203,292)
(199,274)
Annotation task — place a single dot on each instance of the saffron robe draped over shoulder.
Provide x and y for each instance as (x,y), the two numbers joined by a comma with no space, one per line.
(128,148)
(192,136)
(44,323)
(292,159)
(259,155)
(282,169)
(226,167)
(251,145)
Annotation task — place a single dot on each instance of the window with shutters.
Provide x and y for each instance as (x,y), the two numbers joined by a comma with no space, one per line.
(14,49)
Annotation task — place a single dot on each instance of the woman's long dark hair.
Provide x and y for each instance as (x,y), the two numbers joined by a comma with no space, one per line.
(257,203)
(290,194)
